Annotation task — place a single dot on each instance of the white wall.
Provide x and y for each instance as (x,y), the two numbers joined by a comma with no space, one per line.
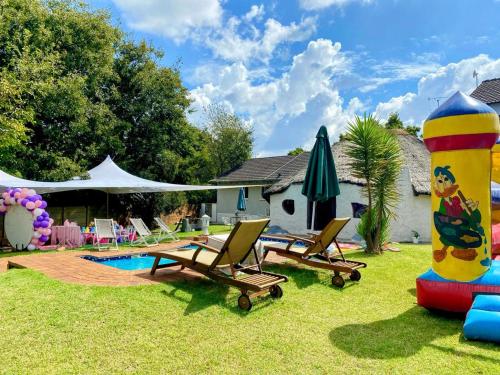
(414,212)
(496,107)
(228,198)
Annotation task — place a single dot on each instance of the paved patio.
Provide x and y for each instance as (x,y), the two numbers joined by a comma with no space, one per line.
(68,266)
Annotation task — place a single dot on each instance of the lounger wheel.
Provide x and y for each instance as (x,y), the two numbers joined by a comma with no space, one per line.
(338,281)
(244,302)
(355,275)
(275,291)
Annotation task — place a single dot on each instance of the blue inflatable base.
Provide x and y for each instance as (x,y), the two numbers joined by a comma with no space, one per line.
(492,277)
(483,319)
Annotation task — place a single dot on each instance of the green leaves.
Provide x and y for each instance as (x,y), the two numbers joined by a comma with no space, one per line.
(375,158)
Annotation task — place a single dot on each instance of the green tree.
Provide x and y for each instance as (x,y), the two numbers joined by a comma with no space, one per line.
(73,89)
(296,151)
(231,140)
(394,122)
(375,158)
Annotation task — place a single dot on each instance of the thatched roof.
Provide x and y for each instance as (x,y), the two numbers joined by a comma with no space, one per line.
(416,160)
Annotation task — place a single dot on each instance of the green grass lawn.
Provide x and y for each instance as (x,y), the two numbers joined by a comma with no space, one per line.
(373,326)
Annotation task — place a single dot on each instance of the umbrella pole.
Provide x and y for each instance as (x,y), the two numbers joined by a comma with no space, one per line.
(313,219)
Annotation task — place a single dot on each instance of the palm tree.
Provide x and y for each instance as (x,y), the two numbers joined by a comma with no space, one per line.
(376,158)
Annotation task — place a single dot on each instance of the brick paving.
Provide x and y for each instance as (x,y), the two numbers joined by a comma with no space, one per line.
(68,266)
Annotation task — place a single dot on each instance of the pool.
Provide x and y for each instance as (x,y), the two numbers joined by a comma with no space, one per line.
(133,262)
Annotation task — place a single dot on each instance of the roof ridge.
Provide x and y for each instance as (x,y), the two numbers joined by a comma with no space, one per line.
(491,79)
(288,162)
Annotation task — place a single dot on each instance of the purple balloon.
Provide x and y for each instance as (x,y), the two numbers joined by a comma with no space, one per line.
(24,201)
(44,224)
(45,213)
(40,218)
(38,197)
(32,198)
(11,193)
(43,238)
(43,205)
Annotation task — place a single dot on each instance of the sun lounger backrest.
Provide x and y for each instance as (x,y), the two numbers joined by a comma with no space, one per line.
(104,228)
(140,227)
(239,243)
(327,235)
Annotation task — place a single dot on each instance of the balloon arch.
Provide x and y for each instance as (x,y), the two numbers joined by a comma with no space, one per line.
(34,205)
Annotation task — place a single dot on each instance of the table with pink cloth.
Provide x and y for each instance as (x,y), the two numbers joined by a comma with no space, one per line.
(66,235)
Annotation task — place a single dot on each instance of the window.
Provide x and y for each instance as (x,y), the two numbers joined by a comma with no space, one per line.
(358,209)
(288,206)
(246,193)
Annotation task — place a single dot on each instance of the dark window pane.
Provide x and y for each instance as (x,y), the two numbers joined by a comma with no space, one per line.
(289,206)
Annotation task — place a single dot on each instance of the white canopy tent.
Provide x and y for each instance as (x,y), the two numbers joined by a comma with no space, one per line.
(107,177)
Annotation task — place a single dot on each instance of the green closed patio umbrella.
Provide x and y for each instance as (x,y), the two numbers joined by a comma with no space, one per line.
(242,204)
(320,183)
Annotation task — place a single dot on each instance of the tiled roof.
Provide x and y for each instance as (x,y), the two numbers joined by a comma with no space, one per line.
(269,169)
(488,91)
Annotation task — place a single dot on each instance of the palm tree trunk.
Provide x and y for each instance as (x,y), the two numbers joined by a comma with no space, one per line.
(369,239)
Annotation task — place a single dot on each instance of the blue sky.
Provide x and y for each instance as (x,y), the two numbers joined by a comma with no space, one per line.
(287,67)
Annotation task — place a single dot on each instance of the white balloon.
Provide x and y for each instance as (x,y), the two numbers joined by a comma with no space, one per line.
(37,212)
(31,247)
(37,234)
(31,192)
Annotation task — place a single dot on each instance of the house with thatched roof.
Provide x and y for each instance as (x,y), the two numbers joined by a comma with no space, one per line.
(257,174)
(275,186)
(414,186)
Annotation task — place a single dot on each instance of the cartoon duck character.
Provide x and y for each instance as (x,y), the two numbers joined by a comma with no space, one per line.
(458,220)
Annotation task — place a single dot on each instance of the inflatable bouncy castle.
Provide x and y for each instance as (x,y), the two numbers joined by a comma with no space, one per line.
(460,135)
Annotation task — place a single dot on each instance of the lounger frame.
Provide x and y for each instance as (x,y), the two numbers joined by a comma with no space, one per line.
(320,258)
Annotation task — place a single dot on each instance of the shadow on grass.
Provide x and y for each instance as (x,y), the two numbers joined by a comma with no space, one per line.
(402,336)
(304,276)
(204,293)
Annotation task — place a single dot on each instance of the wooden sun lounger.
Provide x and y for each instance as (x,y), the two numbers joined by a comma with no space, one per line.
(315,254)
(251,280)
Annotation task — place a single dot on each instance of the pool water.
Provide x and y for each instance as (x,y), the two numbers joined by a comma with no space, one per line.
(128,262)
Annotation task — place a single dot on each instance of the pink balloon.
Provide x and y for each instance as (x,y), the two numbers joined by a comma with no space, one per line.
(3,208)
(38,203)
(34,241)
(30,205)
(48,231)
(17,194)
(19,201)
(23,194)
(5,195)
(51,221)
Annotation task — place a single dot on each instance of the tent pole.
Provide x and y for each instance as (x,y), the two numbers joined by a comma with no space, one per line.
(107,205)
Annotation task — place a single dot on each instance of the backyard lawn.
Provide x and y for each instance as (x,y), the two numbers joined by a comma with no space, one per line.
(373,326)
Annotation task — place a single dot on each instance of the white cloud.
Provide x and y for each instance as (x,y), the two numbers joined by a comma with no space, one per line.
(256,11)
(414,107)
(171,18)
(321,4)
(238,42)
(286,110)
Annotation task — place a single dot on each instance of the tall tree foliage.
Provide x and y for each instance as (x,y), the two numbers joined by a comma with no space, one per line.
(394,122)
(231,140)
(376,158)
(73,89)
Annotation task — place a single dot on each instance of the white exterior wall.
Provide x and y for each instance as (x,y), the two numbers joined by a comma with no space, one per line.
(228,198)
(496,107)
(414,212)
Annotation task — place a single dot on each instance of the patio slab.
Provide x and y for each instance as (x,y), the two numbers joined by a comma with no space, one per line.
(68,266)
